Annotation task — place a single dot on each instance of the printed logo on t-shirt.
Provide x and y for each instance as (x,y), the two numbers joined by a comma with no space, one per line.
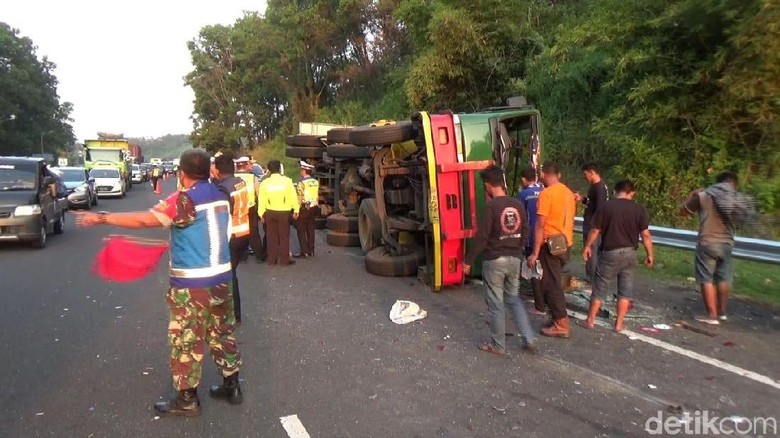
(510,223)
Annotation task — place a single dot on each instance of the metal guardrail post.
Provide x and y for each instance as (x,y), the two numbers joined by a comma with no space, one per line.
(746,248)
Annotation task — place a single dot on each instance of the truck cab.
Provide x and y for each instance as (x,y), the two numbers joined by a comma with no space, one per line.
(426,198)
(33,201)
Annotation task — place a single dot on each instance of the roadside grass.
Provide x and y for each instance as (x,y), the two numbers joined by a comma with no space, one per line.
(757,281)
(274,150)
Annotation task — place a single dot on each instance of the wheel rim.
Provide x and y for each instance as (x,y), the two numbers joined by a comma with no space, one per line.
(43,234)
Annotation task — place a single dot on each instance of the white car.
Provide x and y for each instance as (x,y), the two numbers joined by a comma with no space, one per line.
(137,174)
(108,182)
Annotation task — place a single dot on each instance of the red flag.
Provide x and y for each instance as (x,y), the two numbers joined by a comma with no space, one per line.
(126,259)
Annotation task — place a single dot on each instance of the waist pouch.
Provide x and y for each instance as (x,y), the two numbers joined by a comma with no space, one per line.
(557,244)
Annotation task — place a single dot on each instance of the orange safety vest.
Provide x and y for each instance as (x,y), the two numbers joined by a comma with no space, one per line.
(239,215)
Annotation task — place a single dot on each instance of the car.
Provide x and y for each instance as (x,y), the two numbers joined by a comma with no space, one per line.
(80,187)
(146,168)
(108,182)
(137,175)
(33,201)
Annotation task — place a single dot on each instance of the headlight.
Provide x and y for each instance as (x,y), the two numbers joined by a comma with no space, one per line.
(81,189)
(27,210)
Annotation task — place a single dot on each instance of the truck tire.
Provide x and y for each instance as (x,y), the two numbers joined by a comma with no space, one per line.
(343,224)
(348,151)
(379,262)
(319,223)
(379,135)
(304,140)
(40,241)
(59,226)
(303,152)
(337,238)
(369,226)
(339,135)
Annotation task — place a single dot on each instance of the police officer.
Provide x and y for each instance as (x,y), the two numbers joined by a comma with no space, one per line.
(277,198)
(239,217)
(244,171)
(155,177)
(308,189)
(199,298)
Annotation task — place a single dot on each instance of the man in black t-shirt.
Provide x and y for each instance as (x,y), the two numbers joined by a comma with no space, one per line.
(598,194)
(619,222)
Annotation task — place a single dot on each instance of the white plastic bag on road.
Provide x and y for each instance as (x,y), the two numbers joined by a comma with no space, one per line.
(404,312)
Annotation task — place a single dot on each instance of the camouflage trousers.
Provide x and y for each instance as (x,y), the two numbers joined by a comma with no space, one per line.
(198,315)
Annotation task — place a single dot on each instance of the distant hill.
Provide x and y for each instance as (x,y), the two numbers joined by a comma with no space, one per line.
(166,147)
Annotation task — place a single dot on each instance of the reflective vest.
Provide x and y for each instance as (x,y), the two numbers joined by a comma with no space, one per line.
(200,252)
(239,200)
(277,193)
(251,188)
(156,172)
(308,191)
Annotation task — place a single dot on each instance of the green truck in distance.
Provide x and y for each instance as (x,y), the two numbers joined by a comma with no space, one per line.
(110,151)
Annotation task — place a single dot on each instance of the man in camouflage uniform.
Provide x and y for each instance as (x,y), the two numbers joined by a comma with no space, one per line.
(200,298)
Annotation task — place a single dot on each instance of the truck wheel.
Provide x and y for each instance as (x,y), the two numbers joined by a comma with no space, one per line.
(303,152)
(385,134)
(379,262)
(369,226)
(338,238)
(40,241)
(343,224)
(339,135)
(348,151)
(59,226)
(319,223)
(303,140)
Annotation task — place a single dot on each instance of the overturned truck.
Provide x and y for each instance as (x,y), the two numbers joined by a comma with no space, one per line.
(407,192)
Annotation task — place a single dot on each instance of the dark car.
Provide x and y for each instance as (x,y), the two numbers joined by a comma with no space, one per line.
(80,187)
(33,201)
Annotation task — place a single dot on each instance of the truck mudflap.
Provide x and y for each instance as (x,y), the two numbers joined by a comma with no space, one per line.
(447,212)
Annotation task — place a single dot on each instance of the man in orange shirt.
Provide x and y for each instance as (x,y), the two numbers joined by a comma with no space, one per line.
(555,217)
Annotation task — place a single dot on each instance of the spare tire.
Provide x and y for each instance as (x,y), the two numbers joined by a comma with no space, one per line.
(336,238)
(369,226)
(304,140)
(380,262)
(339,135)
(384,134)
(344,224)
(348,151)
(303,152)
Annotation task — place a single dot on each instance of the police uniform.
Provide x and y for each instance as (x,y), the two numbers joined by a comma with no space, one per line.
(199,298)
(308,189)
(277,198)
(155,178)
(239,229)
(252,185)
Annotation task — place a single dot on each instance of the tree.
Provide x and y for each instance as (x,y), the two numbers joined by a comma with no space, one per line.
(30,108)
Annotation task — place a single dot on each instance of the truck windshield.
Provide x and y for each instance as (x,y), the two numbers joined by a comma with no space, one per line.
(17,177)
(105,155)
(104,173)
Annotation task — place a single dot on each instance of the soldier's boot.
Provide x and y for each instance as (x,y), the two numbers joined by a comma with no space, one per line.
(186,404)
(230,390)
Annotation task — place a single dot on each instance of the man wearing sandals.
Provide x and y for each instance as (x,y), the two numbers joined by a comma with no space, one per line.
(619,222)
(501,238)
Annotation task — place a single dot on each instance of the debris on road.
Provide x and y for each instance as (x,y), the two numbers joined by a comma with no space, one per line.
(651,386)
(729,344)
(695,329)
(501,410)
(39,414)
(649,330)
(404,312)
(662,326)
(372,397)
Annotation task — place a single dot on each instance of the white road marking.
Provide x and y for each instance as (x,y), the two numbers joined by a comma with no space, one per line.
(689,354)
(293,426)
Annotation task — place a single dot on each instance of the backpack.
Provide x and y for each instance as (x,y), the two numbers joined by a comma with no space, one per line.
(735,208)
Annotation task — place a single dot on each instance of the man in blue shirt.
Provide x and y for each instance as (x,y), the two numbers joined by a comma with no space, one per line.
(529,196)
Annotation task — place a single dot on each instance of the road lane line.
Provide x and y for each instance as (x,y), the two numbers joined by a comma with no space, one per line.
(689,354)
(293,426)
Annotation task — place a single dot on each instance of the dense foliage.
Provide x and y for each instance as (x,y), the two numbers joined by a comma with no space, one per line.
(667,92)
(31,114)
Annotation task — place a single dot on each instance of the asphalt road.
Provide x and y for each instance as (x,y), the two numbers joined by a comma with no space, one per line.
(86,358)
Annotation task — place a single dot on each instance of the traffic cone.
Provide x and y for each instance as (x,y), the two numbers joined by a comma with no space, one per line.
(158,189)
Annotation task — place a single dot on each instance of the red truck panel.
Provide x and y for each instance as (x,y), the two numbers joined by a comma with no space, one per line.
(135,150)
(450,199)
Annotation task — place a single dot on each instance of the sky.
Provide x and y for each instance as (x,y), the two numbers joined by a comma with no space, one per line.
(122,63)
